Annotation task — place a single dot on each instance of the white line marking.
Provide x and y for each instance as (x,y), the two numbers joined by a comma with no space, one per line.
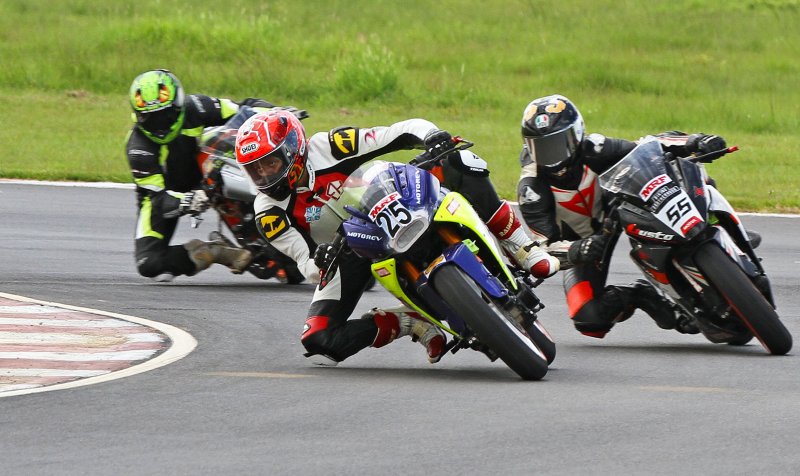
(80,356)
(12,387)
(63,322)
(182,344)
(33,310)
(50,373)
(91,340)
(68,184)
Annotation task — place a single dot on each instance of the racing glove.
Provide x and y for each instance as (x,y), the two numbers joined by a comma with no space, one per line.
(193,203)
(587,250)
(436,141)
(323,255)
(704,143)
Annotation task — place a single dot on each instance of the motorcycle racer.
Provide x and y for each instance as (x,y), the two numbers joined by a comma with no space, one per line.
(161,149)
(561,202)
(296,176)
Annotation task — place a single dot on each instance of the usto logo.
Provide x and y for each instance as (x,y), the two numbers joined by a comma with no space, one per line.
(251,147)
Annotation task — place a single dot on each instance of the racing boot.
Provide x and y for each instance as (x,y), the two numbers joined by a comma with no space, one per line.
(642,295)
(205,254)
(523,251)
(396,323)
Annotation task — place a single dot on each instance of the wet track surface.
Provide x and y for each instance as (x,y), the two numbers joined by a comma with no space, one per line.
(245,401)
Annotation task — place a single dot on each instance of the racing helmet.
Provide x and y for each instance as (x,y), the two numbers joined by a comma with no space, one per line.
(157,100)
(553,129)
(271,149)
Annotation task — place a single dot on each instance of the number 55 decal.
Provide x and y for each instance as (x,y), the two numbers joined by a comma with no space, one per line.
(680,214)
(678,210)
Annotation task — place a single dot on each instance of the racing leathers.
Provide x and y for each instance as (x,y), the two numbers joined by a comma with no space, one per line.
(296,224)
(565,206)
(163,175)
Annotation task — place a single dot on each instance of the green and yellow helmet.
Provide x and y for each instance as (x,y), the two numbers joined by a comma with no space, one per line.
(157,100)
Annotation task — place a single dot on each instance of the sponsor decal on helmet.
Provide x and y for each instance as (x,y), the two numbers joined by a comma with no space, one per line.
(556,107)
(530,111)
(542,121)
(248,148)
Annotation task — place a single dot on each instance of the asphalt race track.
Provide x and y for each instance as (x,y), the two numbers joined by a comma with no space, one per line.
(246,401)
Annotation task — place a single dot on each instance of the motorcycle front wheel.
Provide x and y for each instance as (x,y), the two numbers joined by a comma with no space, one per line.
(744,299)
(489,323)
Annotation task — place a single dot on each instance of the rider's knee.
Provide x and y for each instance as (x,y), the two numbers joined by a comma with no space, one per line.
(149,267)
(317,337)
(592,321)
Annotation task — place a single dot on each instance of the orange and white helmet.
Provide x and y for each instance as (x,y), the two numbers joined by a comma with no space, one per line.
(271,149)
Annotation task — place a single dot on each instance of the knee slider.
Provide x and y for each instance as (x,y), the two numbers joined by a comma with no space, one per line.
(591,321)
(149,267)
(317,337)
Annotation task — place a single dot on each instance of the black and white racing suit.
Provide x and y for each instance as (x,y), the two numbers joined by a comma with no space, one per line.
(297,224)
(570,206)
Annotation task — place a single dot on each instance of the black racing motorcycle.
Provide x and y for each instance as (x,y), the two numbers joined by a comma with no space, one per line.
(232,196)
(689,242)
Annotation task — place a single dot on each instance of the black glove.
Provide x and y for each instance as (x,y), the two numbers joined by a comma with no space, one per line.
(437,141)
(193,203)
(323,255)
(298,113)
(256,102)
(704,143)
(587,250)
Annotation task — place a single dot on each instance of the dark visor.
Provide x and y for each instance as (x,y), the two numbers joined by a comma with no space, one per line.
(552,149)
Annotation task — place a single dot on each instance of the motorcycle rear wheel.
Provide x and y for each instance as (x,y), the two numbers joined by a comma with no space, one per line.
(490,325)
(745,300)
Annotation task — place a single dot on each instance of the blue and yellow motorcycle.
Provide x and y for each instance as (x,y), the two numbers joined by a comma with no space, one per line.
(429,248)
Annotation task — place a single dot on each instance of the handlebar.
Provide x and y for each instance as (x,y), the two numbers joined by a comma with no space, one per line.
(712,156)
(424,159)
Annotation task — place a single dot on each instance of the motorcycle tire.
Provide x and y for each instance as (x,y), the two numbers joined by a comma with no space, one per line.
(501,334)
(745,300)
(539,335)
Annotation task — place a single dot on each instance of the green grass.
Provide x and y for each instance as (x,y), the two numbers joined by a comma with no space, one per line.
(633,67)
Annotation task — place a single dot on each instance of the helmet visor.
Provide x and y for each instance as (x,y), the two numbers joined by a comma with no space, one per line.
(159,123)
(553,149)
(268,170)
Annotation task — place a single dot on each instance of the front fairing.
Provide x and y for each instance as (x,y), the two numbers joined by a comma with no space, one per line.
(644,180)
(394,205)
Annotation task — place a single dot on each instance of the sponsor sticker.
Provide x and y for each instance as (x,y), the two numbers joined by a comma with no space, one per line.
(272,225)
(385,201)
(652,185)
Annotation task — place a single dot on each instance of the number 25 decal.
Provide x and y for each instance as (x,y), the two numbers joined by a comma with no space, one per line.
(393,217)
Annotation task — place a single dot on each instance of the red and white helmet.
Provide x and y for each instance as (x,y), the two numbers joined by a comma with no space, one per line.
(271,148)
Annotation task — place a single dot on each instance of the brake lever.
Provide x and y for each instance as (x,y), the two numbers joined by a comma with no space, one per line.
(709,157)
